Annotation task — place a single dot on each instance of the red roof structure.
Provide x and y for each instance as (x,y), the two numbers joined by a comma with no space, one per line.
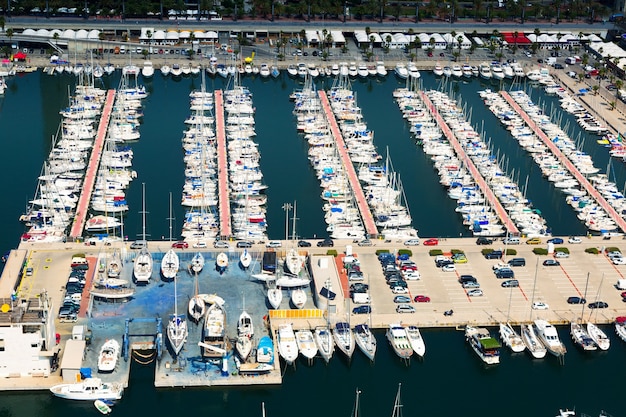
(20,56)
(521,39)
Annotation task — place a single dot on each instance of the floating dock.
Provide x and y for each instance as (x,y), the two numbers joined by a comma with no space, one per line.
(92,168)
(222,164)
(591,190)
(355,184)
(480,181)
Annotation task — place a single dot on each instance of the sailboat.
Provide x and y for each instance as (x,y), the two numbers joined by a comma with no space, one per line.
(170,262)
(245,332)
(221,262)
(306,344)
(344,338)
(274,296)
(114,265)
(177,326)
(245,259)
(598,336)
(508,335)
(197,263)
(298,298)
(197,306)
(324,342)
(397,404)
(142,268)
(365,340)
(532,343)
(580,336)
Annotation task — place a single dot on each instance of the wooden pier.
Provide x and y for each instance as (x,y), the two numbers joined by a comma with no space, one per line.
(591,190)
(92,168)
(480,181)
(364,209)
(222,166)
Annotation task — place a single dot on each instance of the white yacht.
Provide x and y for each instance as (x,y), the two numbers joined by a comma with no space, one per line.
(197,263)
(169,265)
(298,298)
(531,341)
(148,69)
(581,337)
(245,259)
(549,337)
(620,327)
(415,338)
(293,262)
(344,338)
(306,344)
(413,71)
(497,72)
(287,345)
(447,71)
(438,70)
(89,389)
(401,71)
(485,71)
(165,70)
(214,339)
(486,347)
(457,71)
(365,340)
(399,341)
(598,336)
(109,353)
(142,268)
(511,338)
(381,71)
(176,71)
(467,70)
(264,71)
(274,296)
(324,342)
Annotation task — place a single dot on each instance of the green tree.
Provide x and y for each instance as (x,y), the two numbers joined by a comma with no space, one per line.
(2,22)
(10,33)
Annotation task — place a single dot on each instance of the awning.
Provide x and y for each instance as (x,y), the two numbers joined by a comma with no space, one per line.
(19,55)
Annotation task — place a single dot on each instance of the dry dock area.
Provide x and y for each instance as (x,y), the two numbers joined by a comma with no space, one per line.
(137,319)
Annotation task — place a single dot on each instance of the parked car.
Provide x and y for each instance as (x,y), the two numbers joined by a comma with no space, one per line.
(533,241)
(421,299)
(459,258)
(482,240)
(598,304)
(467,278)
(362,310)
(443,262)
(561,255)
(619,260)
(180,245)
(448,268)
(471,284)
(517,262)
(574,240)
(359,287)
(556,240)
(510,283)
(405,308)
(475,293)
(412,242)
(411,275)
(538,305)
(551,262)
(304,244)
(365,242)
(431,242)
(399,290)
(505,273)
(273,244)
(576,300)
(138,244)
(494,254)
(326,243)
(217,244)
(68,318)
(399,299)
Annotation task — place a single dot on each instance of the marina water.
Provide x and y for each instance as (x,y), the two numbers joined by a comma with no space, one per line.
(451,381)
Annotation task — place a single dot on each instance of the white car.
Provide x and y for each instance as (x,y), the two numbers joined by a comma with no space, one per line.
(538,305)
(561,255)
(500,265)
(273,244)
(412,242)
(202,244)
(411,275)
(400,290)
(475,293)
(574,240)
(448,268)
(619,260)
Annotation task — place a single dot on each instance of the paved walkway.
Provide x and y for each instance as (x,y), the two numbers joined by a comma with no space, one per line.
(621,223)
(480,181)
(92,168)
(364,209)
(222,166)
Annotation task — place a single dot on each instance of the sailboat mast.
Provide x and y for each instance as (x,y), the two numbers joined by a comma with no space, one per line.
(170,217)
(143,211)
(293,226)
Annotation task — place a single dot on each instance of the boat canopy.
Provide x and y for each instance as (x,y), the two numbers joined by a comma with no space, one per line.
(490,343)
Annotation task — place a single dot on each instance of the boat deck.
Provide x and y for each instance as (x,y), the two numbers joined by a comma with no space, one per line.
(222,163)
(92,168)
(355,184)
(591,190)
(480,181)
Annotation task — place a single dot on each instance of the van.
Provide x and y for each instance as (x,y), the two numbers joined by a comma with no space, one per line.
(505,273)
(621,284)
(511,240)
(570,60)
(494,254)
(517,262)
(360,298)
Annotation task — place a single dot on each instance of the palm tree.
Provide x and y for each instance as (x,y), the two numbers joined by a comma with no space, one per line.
(10,34)
(595,89)
(2,22)
(149,35)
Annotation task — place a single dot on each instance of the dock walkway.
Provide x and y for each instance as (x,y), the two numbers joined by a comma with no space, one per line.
(222,166)
(619,221)
(480,181)
(364,209)
(92,168)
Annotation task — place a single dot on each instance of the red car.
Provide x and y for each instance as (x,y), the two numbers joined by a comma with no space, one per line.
(421,299)
(431,242)
(408,267)
(180,245)
(623,294)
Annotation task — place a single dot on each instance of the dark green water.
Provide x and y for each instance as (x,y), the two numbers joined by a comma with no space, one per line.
(451,381)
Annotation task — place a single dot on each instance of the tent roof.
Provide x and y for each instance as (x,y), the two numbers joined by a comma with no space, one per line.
(521,39)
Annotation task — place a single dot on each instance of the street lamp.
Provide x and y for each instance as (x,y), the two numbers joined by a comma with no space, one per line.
(287,207)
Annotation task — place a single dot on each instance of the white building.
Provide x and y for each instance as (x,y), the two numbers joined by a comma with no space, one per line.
(27,337)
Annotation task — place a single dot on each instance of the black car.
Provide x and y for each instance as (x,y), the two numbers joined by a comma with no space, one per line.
(303,244)
(326,243)
(467,278)
(359,287)
(598,304)
(505,273)
(551,262)
(558,66)
(443,262)
(244,244)
(576,300)
(362,310)
(484,241)
(494,254)
(72,288)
